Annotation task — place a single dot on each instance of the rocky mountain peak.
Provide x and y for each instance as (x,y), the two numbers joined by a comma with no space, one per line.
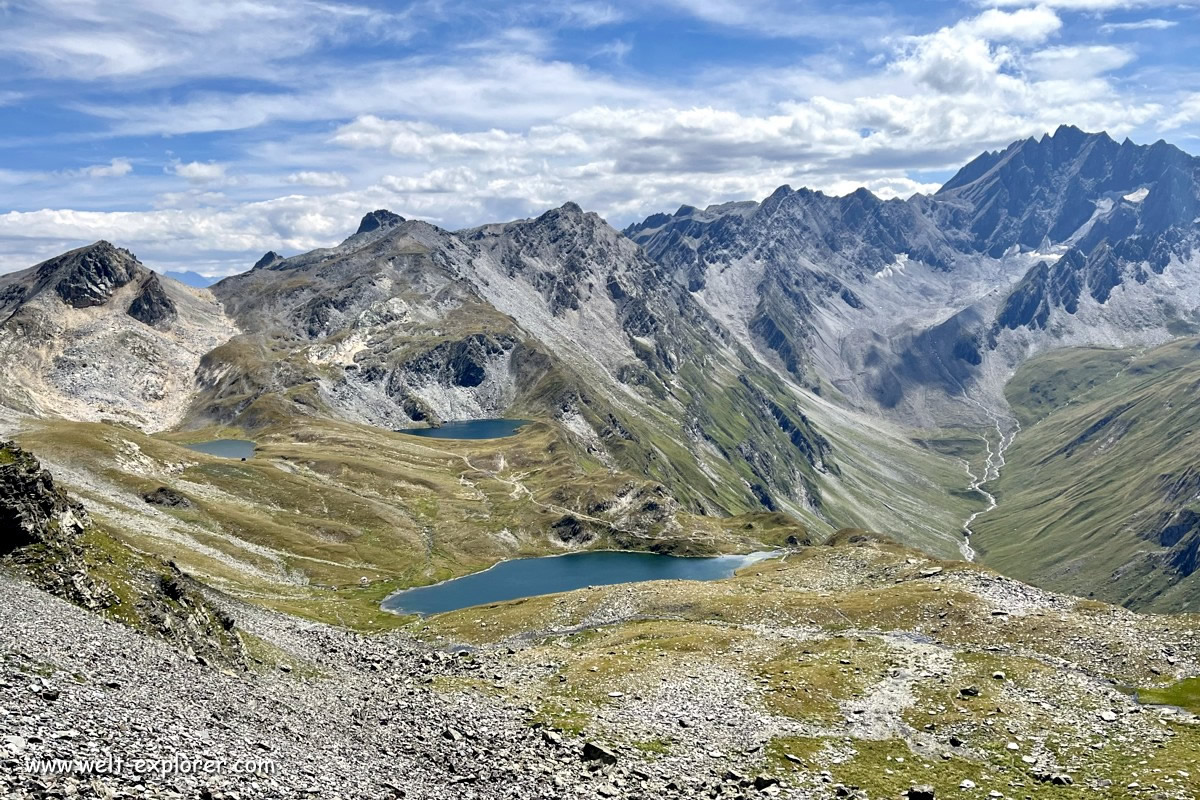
(271,258)
(569,214)
(380,218)
(1071,183)
(88,276)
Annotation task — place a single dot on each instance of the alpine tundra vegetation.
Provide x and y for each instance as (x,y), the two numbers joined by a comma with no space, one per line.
(937,402)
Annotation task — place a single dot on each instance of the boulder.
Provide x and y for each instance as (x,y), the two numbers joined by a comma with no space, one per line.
(164,496)
(599,753)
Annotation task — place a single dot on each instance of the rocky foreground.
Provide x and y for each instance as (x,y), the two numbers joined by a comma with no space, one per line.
(328,713)
(854,669)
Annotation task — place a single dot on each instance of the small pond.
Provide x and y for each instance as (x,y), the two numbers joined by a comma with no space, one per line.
(471,429)
(526,577)
(225,448)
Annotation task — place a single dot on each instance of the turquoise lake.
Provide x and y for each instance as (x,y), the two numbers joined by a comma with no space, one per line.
(527,577)
(471,429)
(225,448)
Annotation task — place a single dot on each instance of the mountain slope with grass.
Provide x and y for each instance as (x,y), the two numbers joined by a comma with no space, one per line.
(1099,493)
(808,361)
(854,669)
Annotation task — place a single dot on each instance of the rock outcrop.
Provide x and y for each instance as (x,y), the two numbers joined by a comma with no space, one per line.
(90,275)
(41,529)
(165,496)
(152,306)
(379,219)
(49,538)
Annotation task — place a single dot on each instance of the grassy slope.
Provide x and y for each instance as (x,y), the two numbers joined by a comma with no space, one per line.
(324,505)
(715,427)
(1105,434)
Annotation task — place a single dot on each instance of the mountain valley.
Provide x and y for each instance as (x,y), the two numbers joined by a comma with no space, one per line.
(914,405)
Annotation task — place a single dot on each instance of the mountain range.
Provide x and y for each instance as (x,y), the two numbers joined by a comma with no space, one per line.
(704,379)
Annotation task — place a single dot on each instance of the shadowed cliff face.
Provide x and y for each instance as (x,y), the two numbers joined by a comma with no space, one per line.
(152,306)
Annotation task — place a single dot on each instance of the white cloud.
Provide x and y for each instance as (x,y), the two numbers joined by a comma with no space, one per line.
(325,180)
(1078,62)
(226,235)
(887,187)
(199,172)
(499,89)
(437,181)
(1187,112)
(1152,24)
(786,18)
(587,14)
(160,42)
(1094,5)
(1030,25)
(617,49)
(113,169)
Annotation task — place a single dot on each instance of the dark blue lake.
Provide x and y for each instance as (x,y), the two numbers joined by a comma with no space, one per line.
(225,448)
(526,577)
(471,429)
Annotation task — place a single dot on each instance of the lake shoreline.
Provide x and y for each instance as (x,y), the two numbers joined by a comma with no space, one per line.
(747,558)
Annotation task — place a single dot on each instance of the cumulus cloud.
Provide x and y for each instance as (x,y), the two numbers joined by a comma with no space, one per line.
(199,172)
(1030,25)
(326,180)
(113,169)
(480,134)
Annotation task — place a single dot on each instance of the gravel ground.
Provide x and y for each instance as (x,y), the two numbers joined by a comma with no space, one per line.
(359,717)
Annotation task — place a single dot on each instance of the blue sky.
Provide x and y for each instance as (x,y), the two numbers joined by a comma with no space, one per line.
(200,134)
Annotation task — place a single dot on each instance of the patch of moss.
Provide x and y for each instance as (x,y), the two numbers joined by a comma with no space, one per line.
(557,716)
(656,747)
(889,768)
(788,753)
(266,657)
(809,680)
(1183,694)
